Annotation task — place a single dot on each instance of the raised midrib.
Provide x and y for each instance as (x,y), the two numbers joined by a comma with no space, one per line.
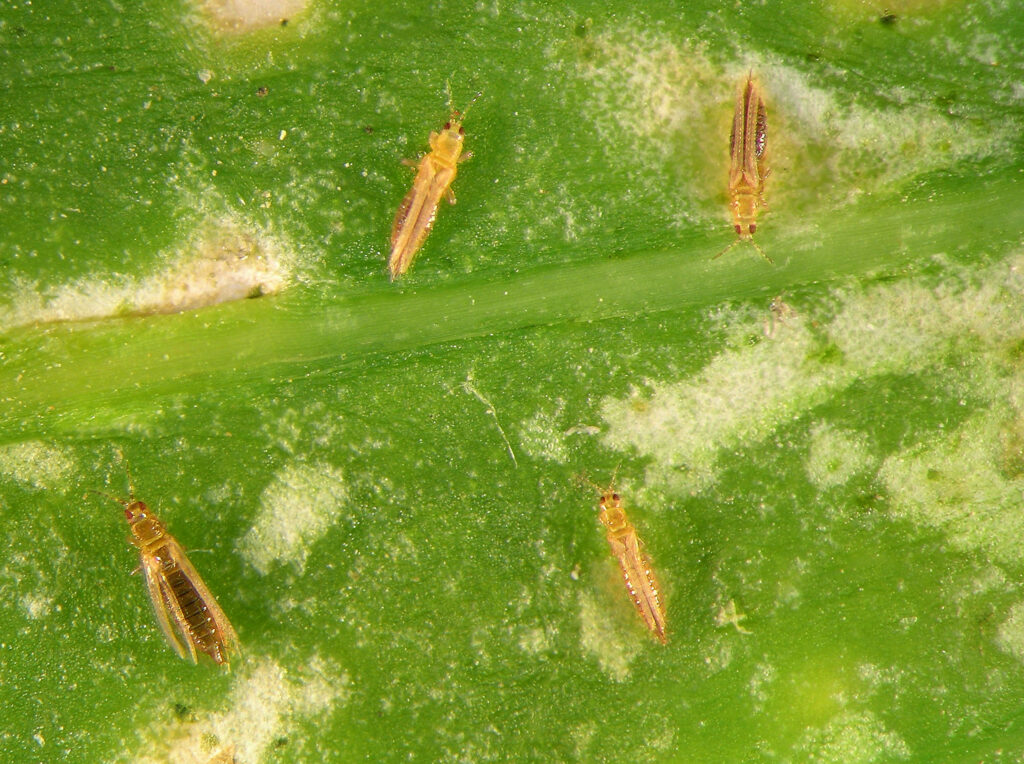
(57,377)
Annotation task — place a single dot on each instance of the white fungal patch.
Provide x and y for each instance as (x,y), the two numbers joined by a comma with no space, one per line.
(852,737)
(38,465)
(582,736)
(224,263)
(671,88)
(954,484)
(989,580)
(297,508)
(907,327)
(836,456)
(861,145)
(602,636)
(266,700)
(541,437)
(745,393)
(760,685)
(536,640)
(247,15)
(718,654)
(739,397)
(888,681)
(681,102)
(294,430)
(1010,636)
(228,264)
(36,605)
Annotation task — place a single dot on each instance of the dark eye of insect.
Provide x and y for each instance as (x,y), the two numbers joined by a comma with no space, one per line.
(447,125)
(615,497)
(461,131)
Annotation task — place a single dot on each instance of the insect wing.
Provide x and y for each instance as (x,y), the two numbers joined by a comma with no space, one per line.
(403,212)
(757,134)
(162,599)
(760,134)
(640,581)
(643,586)
(408,231)
(228,638)
(736,141)
(416,214)
(748,139)
(749,122)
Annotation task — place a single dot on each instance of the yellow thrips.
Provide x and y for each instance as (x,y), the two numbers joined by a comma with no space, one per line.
(636,568)
(747,170)
(186,611)
(434,178)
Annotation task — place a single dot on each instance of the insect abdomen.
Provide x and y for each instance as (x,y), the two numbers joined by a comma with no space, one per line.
(202,630)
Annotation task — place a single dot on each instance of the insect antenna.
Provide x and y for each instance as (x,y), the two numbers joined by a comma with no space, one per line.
(737,242)
(461,115)
(470,104)
(729,247)
(582,479)
(128,471)
(615,474)
(131,484)
(762,252)
(448,91)
(91,492)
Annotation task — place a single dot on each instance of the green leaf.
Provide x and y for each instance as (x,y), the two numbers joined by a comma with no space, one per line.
(385,484)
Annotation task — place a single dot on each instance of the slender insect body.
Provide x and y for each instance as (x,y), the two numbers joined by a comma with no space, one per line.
(641,582)
(747,170)
(746,149)
(434,177)
(186,611)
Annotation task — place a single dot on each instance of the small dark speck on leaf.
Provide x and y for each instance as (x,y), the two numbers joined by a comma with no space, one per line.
(582,29)
(888,19)
(262,91)
(368,129)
